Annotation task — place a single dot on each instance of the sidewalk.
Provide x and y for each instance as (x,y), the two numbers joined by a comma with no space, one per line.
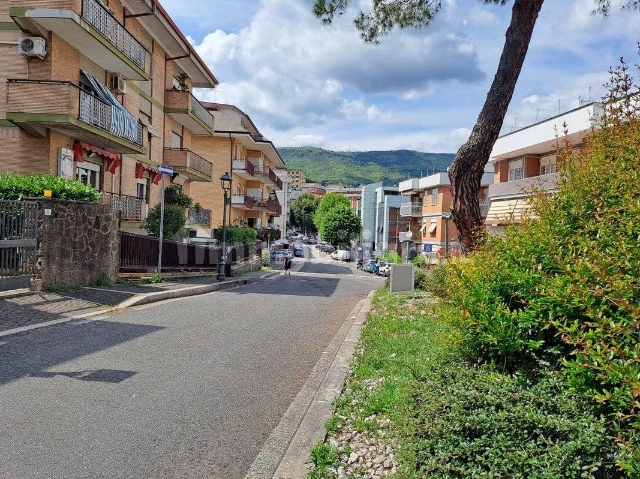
(23,310)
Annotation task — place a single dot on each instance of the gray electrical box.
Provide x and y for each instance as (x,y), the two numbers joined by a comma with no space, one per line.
(401,280)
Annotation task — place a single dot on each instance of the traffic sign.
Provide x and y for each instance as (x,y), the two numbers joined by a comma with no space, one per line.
(165,170)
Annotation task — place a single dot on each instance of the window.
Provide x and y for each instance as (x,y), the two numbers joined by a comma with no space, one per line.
(89,174)
(434,196)
(432,228)
(516,170)
(176,140)
(547,165)
(142,188)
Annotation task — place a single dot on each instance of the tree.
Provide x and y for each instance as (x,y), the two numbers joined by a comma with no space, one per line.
(468,166)
(329,202)
(340,225)
(302,211)
(173,221)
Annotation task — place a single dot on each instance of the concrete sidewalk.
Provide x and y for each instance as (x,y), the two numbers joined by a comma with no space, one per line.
(24,310)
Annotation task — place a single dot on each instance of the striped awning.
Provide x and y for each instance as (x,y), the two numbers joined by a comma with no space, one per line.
(508,211)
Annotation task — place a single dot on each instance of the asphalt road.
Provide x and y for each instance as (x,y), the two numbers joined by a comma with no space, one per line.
(187,388)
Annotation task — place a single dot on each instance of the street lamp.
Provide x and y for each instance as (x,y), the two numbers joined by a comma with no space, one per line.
(225,183)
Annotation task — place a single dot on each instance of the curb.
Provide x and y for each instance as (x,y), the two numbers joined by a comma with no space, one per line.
(146,298)
(136,300)
(288,447)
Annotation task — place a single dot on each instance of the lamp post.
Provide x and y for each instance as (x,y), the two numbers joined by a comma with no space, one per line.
(225,183)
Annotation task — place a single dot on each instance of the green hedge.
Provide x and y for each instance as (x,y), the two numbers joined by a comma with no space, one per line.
(14,186)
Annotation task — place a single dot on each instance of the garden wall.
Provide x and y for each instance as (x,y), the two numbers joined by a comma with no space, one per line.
(78,244)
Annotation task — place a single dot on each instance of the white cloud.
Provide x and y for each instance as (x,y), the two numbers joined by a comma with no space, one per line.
(373,114)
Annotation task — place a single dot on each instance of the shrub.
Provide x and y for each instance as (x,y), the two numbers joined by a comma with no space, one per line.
(173,195)
(174,221)
(562,291)
(473,422)
(237,235)
(15,187)
(391,257)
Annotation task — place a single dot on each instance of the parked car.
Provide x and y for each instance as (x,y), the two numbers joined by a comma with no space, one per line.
(384,269)
(367,265)
(298,252)
(343,255)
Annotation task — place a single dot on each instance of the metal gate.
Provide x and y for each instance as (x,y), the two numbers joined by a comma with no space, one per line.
(18,243)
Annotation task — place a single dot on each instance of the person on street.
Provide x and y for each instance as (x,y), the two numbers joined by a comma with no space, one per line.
(287,265)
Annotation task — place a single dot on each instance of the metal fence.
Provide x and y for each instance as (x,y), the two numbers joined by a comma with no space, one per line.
(140,253)
(18,242)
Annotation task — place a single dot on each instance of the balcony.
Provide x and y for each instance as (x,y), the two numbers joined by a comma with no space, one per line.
(184,108)
(411,209)
(36,106)
(89,27)
(188,164)
(523,187)
(242,202)
(267,176)
(274,207)
(199,217)
(243,168)
(129,208)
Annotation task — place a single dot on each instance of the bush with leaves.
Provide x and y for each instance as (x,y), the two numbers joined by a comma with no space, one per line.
(173,195)
(562,292)
(173,221)
(237,235)
(14,186)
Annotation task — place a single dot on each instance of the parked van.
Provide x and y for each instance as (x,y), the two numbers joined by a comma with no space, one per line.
(343,255)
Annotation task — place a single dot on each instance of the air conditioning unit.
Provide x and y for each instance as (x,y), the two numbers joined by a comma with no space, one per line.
(32,47)
(118,83)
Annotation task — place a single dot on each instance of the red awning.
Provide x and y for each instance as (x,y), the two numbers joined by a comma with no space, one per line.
(142,167)
(78,146)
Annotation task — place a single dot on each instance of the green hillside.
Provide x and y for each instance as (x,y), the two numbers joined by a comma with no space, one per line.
(357,168)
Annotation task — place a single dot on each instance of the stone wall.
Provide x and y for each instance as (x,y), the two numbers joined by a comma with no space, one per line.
(78,244)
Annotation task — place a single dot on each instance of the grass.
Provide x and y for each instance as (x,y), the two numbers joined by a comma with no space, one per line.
(452,419)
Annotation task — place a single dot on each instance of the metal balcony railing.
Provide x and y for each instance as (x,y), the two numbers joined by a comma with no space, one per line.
(98,113)
(129,207)
(101,19)
(184,158)
(243,165)
(184,100)
(201,112)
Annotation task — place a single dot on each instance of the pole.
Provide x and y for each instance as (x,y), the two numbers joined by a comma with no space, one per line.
(161,227)
(446,235)
(223,254)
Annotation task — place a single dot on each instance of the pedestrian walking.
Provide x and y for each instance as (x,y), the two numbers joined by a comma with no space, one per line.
(287,266)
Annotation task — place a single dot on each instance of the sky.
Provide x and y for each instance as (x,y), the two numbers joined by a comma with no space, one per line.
(308,84)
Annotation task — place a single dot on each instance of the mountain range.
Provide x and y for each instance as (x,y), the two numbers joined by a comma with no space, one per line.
(358,168)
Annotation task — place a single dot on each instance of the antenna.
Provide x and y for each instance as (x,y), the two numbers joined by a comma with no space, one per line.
(537,111)
(589,94)
(558,105)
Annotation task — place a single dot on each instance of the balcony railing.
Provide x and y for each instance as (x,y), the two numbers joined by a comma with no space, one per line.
(524,186)
(98,113)
(410,209)
(47,97)
(199,216)
(184,100)
(129,207)
(242,166)
(183,158)
(102,20)
(242,201)
(274,207)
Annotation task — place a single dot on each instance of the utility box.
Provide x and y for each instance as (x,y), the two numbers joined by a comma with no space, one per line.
(401,280)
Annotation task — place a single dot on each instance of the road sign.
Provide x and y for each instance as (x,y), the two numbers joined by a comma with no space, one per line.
(165,170)
(427,248)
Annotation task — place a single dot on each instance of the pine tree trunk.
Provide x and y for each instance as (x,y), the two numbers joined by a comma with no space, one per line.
(468,166)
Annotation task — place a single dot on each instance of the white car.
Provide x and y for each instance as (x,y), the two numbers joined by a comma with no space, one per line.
(343,255)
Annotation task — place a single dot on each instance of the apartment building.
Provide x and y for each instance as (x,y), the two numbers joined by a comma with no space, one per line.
(381,220)
(237,147)
(298,178)
(525,160)
(100,91)
(429,210)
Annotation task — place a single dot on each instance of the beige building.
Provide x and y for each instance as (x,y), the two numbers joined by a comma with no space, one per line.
(298,178)
(237,147)
(100,91)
